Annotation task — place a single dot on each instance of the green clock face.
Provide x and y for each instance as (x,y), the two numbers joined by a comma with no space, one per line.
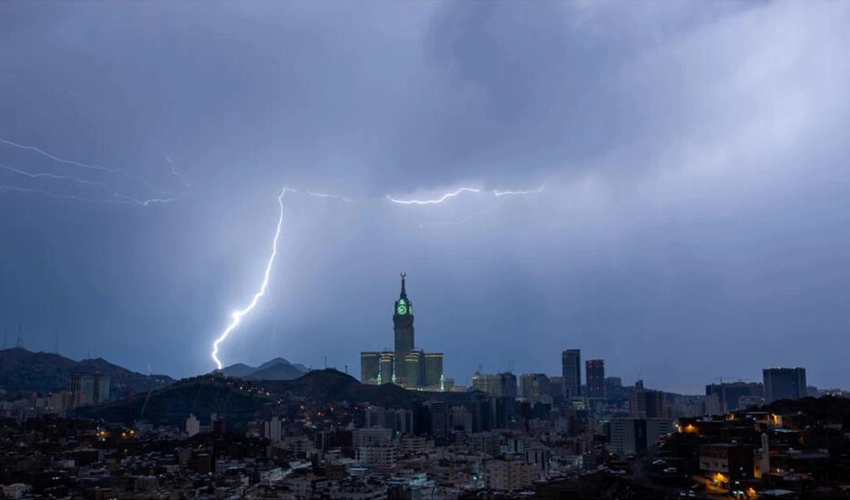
(401,309)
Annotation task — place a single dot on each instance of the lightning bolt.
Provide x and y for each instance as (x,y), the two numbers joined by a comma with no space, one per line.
(325,195)
(117,171)
(55,177)
(51,194)
(438,200)
(60,160)
(176,173)
(496,192)
(115,196)
(237,315)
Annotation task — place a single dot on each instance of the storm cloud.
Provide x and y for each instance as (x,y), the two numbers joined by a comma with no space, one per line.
(693,225)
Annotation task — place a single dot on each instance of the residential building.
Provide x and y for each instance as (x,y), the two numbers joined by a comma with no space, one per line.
(595,372)
(784,383)
(571,371)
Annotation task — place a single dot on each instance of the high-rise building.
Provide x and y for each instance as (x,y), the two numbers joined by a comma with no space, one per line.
(556,384)
(595,372)
(730,395)
(370,367)
(535,387)
(89,388)
(647,404)
(571,371)
(439,419)
(414,368)
(271,430)
(784,383)
(405,365)
(434,370)
(403,330)
(632,436)
(387,373)
(500,385)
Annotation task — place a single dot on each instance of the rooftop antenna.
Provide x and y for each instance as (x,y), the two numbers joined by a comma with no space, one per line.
(20,344)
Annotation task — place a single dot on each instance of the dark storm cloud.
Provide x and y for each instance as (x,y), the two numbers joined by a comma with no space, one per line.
(692,154)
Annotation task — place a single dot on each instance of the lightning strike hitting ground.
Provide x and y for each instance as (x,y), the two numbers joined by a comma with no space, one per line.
(237,315)
(438,200)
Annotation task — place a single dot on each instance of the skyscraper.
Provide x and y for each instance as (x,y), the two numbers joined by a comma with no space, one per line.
(403,330)
(387,376)
(535,387)
(647,404)
(730,394)
(89,388)
(784,383)
(405,365)
(433,370)
(414,368)
(571,370)
(500,385)
(595,372)
(370,367)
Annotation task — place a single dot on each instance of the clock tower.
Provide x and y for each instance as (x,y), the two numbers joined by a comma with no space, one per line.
(406,365)
(403,323)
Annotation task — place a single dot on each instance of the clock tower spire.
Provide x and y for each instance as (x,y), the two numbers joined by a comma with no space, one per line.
(403,328)
(406,365)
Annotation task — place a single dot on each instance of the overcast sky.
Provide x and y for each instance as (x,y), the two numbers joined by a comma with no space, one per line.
(693,224)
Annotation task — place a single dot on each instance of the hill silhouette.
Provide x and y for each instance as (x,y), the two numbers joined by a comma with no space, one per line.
(276,369)
(25,370)
(238,403)
(200,396)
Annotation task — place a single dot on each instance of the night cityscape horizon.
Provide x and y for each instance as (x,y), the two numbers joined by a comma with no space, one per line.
(467,381)
(437,250)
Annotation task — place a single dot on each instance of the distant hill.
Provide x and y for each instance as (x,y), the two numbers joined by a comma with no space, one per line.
(239,370)
(276,369)
(213,393)
(333,385)
(200,396)
(25,370)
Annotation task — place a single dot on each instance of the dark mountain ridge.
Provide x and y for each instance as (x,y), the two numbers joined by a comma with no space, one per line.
(23,370)
(215,393)
(275,369)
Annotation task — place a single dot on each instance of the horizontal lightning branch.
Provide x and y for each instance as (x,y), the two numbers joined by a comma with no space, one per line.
(435,201)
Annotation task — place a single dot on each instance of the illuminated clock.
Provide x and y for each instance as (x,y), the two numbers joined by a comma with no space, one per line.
(401,309)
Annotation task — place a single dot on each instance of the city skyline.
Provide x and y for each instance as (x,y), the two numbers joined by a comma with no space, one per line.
(615,180)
